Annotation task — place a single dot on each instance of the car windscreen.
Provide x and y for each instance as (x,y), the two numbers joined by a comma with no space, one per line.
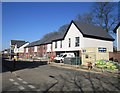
(64,55)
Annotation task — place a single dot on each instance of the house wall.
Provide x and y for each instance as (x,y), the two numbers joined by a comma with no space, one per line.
(39,51)
(72,33)
(84,42)
(26,55)
(21,49)
(89,42)
(35,48)
(115,55)
(49,49)
(16,50)
(118,39)
(93,55)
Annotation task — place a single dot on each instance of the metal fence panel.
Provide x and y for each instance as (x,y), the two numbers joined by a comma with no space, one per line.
(73,61)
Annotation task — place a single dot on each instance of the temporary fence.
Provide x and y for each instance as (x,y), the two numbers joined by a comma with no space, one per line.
(73,61)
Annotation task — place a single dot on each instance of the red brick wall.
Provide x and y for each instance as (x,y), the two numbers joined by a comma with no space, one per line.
(41,50)
(26,55)
(30,51)
(21,55)
(115,55)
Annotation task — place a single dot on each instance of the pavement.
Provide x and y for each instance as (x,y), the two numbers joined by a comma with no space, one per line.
(85,69)
(39,77)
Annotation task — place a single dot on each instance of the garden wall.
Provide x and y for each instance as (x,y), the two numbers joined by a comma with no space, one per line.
(115,55)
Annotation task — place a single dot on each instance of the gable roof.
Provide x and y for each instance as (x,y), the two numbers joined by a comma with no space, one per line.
(116,27)
(41,42)
(32,44)
(18,42)
(88,30)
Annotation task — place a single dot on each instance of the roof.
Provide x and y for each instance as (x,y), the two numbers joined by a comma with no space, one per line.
(116,27)
(18,42)
(88,30)
(40,42)
(32,44)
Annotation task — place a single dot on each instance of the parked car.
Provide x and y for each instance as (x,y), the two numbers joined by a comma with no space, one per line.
(60,58)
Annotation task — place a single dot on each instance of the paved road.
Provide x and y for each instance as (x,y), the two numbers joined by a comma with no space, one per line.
(34,76)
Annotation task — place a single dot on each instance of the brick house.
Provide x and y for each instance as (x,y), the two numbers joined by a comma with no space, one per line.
(77,36)
(116,55)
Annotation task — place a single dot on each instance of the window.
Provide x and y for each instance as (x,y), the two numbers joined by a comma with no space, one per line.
(102,49)
(77,41)
(64,55)
(44,47)
(60,44)
(56,44)
(69,42)
(38,47)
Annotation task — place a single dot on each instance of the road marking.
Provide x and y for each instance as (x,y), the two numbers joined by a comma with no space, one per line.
(31,86)
(24,82)
(12,80)
(21,87)
(20,79)
(16,83)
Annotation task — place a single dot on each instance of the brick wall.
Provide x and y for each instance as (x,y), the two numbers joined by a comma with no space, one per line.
(115,55)
(21,55)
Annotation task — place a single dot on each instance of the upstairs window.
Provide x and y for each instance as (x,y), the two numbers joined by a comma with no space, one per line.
(77,41)
(69,42)
(60,44)
(56,44)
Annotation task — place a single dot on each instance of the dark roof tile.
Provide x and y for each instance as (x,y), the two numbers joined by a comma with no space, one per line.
(18,42)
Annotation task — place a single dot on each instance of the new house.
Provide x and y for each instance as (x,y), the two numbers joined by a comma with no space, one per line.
(39,48)
(76,37)
(17,47)
(117,31)
(80,35)
(116,55)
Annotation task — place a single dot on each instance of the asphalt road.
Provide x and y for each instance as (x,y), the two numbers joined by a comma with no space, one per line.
(39,76)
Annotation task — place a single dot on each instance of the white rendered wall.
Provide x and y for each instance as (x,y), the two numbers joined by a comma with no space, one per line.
(26,50)
(118,39)
(72,33)
(35,48)
(84,42)
(89,42)
(21,49)
(16,50)
(48,47)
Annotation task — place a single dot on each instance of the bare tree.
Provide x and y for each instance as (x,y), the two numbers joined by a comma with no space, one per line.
(104,14)
(48,35)
(86,18)
(63,28)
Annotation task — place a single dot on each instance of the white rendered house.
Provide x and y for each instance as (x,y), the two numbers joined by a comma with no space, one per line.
(17,46)
(117,31)
(79,35)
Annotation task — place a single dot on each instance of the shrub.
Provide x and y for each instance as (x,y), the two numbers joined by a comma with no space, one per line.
(107,64)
